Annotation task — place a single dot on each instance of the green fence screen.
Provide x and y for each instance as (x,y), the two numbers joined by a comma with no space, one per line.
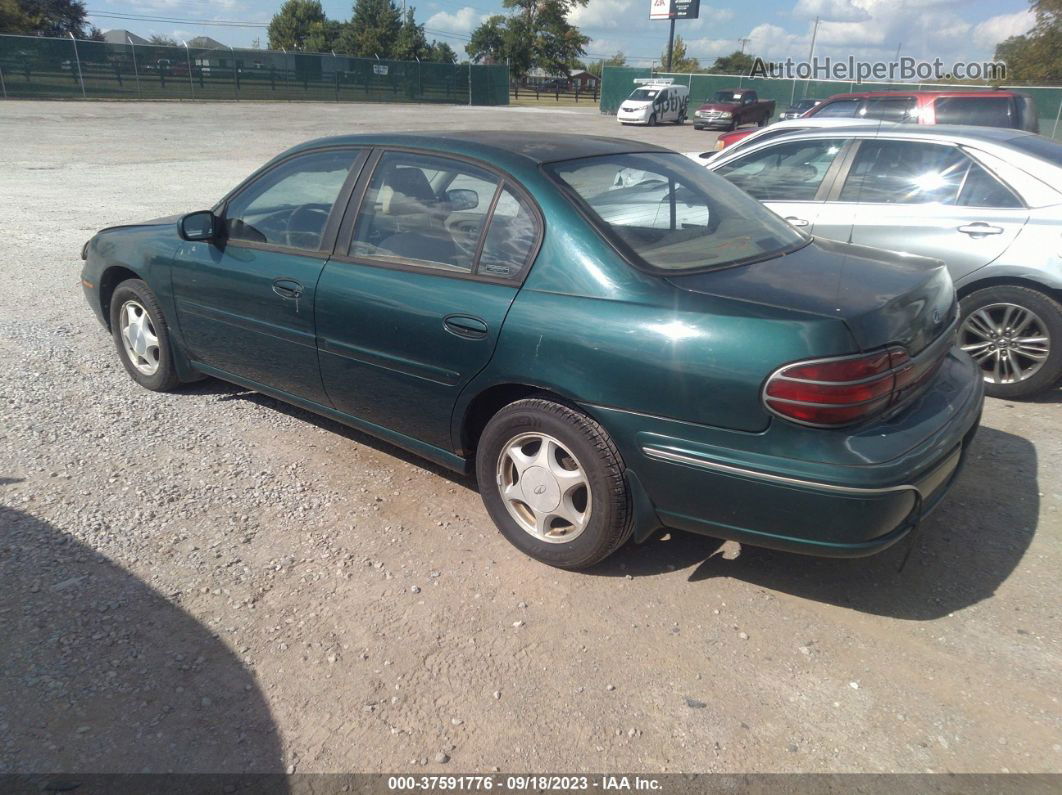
(618,82)
(44,68)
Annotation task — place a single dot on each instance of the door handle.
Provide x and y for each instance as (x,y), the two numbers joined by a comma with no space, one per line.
(465,326)
(978,228)
(794,221)
(287,288)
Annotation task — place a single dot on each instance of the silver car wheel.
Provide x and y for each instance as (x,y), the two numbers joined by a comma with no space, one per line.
(544,487)
(1009,342)
(139,338)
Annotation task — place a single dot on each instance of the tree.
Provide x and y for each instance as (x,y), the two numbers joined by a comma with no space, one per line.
(299,25)
(410,44)
(162,41)
(679,61)
(50,17)
(535,34)
(737,63)
(12,18)
(373,29)
(1037,55)
(440,52)
(598,67)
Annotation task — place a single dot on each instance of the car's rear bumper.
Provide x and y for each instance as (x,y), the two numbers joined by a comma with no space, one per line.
(840,509)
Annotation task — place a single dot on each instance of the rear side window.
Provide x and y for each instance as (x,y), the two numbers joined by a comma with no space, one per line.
(787,171)
(842,108)
(909,172)
(510,238)
(980,111)
(898,109)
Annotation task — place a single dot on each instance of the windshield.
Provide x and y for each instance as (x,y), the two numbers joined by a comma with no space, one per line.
(727,96)
(669,213)
(806,104)
(643,93)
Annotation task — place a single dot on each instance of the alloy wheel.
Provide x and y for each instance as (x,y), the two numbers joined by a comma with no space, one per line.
(1009,342)
(139,338)
(544,487)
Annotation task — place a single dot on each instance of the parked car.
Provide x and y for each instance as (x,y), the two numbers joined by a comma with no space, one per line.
(729,141)
(799,108)
(986,201)
(613,338)
(731,108)
(653,102)
(988,108)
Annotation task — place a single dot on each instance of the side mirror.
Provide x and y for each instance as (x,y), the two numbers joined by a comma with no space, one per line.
(462,199)
(200,225)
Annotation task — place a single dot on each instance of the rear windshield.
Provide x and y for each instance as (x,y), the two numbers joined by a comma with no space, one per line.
(981,111)
(1041,147)
(669,213)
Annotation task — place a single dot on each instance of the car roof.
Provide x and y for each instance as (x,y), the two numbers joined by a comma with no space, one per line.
(949,132)
(535,148)
(974,92)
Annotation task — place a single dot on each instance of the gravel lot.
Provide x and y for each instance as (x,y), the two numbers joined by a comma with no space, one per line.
(212,581)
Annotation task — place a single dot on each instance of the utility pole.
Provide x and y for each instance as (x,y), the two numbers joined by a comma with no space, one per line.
(670,45)
(80,77)
(743,42)
(136,71)
(811,54)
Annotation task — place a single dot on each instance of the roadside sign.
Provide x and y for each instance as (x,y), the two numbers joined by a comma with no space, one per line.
(379,68)
(674,9)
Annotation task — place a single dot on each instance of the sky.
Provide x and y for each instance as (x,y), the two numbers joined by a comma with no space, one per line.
(775,29)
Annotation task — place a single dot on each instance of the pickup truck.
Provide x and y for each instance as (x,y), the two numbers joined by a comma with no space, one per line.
(731,108)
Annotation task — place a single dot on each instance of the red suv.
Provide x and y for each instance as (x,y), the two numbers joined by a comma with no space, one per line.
(985,108)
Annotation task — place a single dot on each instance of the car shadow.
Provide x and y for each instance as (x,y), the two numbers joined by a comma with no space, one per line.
(101,673)
(963,552)
(225,391)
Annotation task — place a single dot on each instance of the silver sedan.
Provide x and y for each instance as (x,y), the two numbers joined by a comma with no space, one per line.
(986,201)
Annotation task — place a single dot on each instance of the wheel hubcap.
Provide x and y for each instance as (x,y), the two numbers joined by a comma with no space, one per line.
(1009,342)
(544,487)
(139,337)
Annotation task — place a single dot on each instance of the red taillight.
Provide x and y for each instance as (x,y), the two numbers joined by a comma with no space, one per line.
(844,390)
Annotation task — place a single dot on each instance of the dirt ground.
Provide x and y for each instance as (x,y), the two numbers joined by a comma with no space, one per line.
(212,581)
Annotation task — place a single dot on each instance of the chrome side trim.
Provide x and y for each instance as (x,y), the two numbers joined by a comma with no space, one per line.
(679,458)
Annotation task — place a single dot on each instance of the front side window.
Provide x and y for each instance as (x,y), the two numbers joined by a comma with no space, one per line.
(290,204)
(787,171)
(899,109)
(842,108)
(424,210)
(668,213)
(909,172)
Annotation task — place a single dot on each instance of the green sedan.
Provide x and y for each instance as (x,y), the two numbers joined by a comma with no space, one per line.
(612,338)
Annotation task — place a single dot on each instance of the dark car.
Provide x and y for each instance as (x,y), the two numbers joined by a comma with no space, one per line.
(984,108)
(731,108)
(798,109)
(613,338)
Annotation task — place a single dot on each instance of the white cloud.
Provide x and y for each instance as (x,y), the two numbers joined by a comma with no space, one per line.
(460,21)
(837,10)
(999,28)
(601,13)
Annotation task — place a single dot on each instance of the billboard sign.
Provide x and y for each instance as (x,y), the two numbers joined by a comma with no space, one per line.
(674,9)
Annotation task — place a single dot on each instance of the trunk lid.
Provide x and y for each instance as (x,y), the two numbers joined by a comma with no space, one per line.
(883,297)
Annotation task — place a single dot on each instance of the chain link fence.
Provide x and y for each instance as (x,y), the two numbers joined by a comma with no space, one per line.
(618,82)
(48,68)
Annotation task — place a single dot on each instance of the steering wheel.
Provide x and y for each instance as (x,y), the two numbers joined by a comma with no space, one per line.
(313,218)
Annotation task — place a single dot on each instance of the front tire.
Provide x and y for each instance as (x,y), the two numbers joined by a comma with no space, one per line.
(552,481)
(141,336)
(1015,335)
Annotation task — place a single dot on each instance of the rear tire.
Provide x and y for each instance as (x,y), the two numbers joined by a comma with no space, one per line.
(580,510)
(141,336)
(1015,335)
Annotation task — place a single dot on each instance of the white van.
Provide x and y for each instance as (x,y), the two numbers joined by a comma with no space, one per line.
(655,101)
